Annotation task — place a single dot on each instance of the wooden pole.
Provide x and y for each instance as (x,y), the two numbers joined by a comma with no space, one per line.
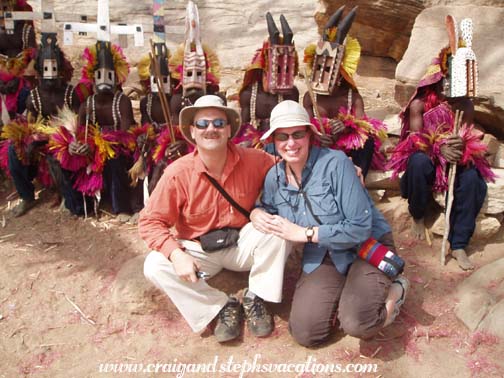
(452,172)
(314,101)
(162,98)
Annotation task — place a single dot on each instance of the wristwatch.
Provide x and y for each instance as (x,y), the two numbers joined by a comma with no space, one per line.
(309,232)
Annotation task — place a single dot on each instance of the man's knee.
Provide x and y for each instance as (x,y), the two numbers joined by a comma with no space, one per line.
(152,265)
(419,161)
(470,180)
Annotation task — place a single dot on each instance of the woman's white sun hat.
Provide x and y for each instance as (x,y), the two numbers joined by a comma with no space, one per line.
(286,114)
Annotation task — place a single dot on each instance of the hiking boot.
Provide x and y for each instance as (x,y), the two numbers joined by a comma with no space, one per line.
(23,207)
(229,321)
(404,283)
(259,321)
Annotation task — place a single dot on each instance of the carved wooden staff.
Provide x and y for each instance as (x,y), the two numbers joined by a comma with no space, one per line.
(314,101)
(451,183)
(138,169)
(162,97)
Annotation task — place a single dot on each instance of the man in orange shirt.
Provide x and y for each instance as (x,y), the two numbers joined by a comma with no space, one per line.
(185,206)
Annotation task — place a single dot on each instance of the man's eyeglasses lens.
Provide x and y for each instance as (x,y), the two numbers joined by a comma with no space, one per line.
(218,123)
(282,137)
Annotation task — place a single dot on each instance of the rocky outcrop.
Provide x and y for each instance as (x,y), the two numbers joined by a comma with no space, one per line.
(234,29)
(382,27)
(481,306)
(429,36)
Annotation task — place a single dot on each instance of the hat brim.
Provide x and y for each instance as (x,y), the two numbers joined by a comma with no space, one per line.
(187,114)
(287,125)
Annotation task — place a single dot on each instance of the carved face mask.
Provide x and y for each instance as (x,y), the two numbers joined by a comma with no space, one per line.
(462,75)
(280,70)
(194,65)
(162,62)
(194,72)
(49,57)
(325,70)
(105,80)
(329,53)
(6,23)
(104,76)
(50,69)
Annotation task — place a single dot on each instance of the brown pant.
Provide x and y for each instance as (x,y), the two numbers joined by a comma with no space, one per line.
(325,296)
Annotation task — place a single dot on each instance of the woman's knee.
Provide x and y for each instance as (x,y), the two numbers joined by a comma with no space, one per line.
(308,334)
(364,323)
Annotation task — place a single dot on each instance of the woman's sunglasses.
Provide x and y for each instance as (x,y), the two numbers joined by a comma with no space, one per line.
(218,123)
(282,137)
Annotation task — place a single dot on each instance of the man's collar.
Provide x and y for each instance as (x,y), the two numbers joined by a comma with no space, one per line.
(232,159)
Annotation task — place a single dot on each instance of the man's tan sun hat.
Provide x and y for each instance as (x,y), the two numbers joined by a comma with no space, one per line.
(186,117)
(286,114)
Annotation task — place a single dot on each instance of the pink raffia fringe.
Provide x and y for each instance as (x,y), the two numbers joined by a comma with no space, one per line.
(249,136)
(430,142)
(357,132)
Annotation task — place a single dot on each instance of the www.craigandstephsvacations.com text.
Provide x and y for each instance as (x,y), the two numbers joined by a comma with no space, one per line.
(241,368)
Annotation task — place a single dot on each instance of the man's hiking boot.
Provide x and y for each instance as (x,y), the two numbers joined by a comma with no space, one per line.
(229,321)
(259,321)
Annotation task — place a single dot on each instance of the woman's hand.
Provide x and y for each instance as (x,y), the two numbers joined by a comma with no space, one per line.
(285,229)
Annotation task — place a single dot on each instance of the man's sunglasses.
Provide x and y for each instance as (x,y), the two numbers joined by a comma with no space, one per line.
(282,137)
(218,123)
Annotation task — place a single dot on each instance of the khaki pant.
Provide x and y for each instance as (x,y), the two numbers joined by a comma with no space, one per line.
(264,255)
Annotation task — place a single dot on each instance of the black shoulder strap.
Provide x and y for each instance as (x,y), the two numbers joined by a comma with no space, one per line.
(227,196)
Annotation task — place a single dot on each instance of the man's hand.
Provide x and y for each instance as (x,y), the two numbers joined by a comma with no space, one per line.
(84,149)
(358,172)
(325,140)
(337,127)
(452,150)
(73,148)
(76,148)
(141,139)
(261,220)
(185,265)
(176,149)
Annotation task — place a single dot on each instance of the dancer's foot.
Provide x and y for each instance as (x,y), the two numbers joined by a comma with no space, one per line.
(418,228)
(462,259)
(23,207)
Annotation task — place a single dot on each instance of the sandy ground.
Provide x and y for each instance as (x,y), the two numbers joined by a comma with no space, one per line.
(72,297)
(53,263)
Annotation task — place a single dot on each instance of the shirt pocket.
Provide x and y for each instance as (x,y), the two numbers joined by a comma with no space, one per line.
(197,217)
(322,201)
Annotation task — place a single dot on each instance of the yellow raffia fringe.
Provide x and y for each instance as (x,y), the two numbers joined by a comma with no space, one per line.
(143,67)
(352,56)
(178,58)
(104,147)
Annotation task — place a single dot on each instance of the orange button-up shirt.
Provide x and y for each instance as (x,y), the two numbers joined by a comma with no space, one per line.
(185,204)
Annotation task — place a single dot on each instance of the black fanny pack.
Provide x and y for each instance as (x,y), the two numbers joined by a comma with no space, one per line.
(221,238)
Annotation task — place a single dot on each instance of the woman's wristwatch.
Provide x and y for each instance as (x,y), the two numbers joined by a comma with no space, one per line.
(309,232)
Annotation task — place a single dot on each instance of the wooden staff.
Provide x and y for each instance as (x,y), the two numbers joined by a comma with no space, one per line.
(138,170)
(451,184)
(162,98)
(314,101)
